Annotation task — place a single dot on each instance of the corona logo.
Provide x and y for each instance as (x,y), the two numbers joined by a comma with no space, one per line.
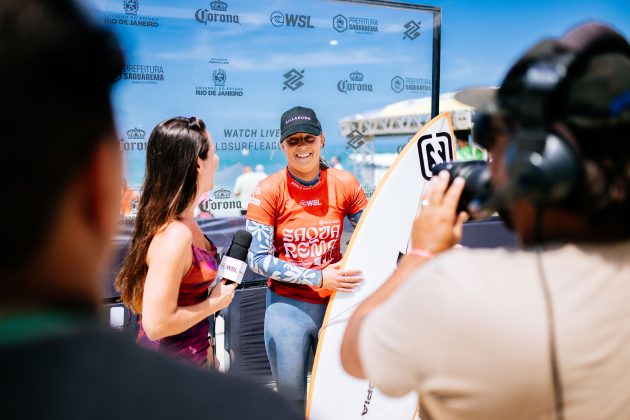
(219,6)
(135,134)
(356,76)
(222,194)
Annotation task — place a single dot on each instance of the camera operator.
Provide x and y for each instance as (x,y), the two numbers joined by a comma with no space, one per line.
(540,332)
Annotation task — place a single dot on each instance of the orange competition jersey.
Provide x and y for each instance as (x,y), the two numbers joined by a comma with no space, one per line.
(308,222)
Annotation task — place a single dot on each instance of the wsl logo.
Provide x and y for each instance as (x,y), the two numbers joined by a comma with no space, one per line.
(433,150)
(219,86)
(143,74)
(135,140)
(410,84)
(293,79)
(310,203)
(130,17)
(300,21)
(216,14)
(355,24)
(412,30)
(355,84)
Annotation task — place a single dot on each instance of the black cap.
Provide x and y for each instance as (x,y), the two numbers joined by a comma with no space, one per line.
(299,120)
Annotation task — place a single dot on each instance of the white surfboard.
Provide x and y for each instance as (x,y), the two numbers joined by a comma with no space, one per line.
(382,233)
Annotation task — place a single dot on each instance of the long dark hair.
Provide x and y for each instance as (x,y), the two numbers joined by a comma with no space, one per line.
(170,186)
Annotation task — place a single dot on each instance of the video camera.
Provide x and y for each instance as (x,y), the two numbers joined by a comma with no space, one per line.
(477,196)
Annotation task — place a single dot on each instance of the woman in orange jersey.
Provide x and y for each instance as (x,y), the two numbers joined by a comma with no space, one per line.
(171,263)
(296,219)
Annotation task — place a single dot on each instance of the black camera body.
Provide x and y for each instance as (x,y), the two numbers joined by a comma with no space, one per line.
(478,192)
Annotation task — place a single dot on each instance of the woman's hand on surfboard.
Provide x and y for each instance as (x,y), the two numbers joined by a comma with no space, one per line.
(334,278)
(439,227)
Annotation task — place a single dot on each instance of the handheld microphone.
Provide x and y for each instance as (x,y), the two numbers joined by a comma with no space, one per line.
(233,265)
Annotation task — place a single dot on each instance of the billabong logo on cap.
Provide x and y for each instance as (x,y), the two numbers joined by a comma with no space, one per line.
(297,117)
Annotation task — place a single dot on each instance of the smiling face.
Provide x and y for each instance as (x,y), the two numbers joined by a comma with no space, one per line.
(303,151)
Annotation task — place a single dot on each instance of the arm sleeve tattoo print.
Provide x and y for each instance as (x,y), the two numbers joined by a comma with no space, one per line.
(262,261)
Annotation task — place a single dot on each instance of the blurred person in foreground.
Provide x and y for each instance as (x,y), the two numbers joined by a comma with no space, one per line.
(169,275)
(541,332)
(56,362)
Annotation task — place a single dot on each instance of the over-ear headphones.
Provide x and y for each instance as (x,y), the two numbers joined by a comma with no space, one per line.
(542,163)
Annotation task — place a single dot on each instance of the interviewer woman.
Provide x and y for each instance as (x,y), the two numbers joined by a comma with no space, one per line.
(171,263)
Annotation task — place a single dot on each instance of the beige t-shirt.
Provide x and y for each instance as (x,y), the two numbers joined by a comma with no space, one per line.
(468,331)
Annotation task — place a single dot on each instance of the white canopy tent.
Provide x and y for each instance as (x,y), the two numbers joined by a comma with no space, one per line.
(399,118)
(406,117)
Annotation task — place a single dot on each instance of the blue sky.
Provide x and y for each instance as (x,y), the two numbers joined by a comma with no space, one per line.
(479,41)
(481,38)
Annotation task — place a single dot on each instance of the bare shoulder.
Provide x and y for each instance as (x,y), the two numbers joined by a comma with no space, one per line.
(174,238)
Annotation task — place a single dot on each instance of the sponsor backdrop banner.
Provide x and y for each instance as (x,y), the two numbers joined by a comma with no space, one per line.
(238,64)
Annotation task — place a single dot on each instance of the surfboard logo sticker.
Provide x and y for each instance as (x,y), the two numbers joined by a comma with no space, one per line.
(434,149)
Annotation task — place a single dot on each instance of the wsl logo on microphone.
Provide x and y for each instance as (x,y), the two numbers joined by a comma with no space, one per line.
(355,84)
(216,14)
(279,19)
(130,16)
